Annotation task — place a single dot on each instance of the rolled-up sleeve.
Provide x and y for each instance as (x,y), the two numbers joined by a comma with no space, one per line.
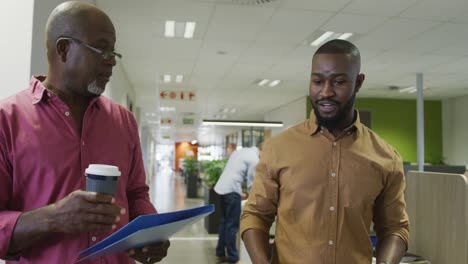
(137,189)
(390,217)
(260,209)
(7,218)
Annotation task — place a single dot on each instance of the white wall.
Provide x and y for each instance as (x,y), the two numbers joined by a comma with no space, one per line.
(119,87)
(455,130)
(16,24)
(290,114)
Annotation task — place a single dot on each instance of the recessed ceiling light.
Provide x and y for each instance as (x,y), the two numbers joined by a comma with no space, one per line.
(329,35)
(345,36)
(169,31)
(179,78)
(411,89)
(274,83)
(263,82)
(242,123)
(324,37)
(167,109)
(167,78)
(189,30)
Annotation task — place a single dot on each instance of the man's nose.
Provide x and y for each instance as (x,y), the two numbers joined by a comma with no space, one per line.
(327,90)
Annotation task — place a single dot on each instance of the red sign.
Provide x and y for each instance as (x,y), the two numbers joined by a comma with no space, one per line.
(177,95)
(166,121)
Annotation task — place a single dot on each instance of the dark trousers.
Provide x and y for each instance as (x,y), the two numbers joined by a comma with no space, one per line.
(229,226)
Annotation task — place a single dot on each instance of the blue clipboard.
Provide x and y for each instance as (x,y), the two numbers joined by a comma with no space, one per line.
(145,230)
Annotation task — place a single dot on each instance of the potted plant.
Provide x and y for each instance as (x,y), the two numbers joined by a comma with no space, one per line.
(191,177)
(212,170)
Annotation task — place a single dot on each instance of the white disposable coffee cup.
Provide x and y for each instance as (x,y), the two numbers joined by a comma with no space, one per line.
(102,178)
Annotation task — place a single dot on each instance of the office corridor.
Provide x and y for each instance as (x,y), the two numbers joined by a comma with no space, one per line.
(192,244)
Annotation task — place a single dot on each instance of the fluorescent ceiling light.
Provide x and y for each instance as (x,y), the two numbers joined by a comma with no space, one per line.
(324,37)
(404,90)
(411,89)
(167,78)
(274,83)
(179,78)
(345,36)
(208,122)
(169,31)
(189,30)
(263,82)
(167,109)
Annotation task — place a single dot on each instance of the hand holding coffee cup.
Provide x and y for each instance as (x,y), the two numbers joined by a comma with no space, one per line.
(102,178)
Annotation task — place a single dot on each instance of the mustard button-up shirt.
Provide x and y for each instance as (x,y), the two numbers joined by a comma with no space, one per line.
(325,191)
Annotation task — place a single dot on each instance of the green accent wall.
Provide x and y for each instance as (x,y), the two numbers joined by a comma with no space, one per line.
(395,121)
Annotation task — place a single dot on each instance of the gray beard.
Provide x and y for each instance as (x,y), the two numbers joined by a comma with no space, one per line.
(94,89)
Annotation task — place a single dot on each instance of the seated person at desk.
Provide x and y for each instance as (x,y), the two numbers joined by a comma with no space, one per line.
(327,178)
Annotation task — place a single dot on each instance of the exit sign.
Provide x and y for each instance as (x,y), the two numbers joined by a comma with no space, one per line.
(188,121)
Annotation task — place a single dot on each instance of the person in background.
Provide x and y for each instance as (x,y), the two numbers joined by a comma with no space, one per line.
(239,169)
(51,132)
(328,178)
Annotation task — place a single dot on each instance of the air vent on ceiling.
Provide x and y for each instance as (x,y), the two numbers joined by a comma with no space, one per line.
(252,2)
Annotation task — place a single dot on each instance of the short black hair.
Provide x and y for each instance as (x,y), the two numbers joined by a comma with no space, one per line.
(339,46)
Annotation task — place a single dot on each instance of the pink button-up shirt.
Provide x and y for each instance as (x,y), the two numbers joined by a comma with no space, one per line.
(43,158)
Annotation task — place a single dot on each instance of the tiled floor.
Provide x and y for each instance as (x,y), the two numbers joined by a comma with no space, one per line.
(192,244)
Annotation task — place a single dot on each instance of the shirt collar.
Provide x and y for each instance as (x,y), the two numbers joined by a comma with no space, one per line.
(314,128)
(39,91)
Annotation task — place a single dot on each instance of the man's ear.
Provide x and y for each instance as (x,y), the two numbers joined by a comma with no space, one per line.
(359,81)
(62,46)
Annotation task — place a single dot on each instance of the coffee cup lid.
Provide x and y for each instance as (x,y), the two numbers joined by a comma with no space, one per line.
(103,170)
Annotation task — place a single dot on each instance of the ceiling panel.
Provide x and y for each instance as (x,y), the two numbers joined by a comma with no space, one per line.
(291,70)
(393,32)
(238,23)
(323,5)
(221,48)
(437,10)
(177,10)
(248,71)
(438,37)
(378,7)
(214,66)
(292,26)
(353,23)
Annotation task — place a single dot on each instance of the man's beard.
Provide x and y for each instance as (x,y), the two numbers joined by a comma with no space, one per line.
(94,89)
(334,122)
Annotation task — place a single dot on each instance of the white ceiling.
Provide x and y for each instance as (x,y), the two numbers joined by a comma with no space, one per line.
(397,38)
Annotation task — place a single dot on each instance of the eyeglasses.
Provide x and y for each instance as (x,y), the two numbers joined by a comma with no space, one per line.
(106,54)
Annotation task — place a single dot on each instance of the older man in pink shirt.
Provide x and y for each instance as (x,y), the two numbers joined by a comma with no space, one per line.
(51,132)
